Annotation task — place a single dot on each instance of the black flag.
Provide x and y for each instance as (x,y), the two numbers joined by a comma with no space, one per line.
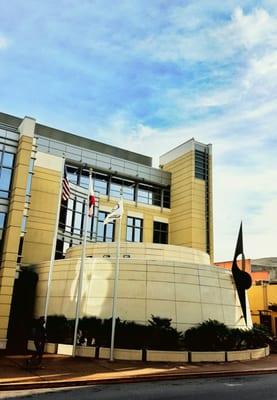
(242,279)
(239,246)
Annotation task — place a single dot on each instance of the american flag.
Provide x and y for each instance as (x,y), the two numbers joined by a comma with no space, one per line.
(66,187)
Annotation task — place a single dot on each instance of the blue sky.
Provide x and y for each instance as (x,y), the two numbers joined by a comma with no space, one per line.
(142,74)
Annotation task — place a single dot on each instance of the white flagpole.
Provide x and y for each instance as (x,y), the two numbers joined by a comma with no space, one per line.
(116,284)
(81,272)
(52,260)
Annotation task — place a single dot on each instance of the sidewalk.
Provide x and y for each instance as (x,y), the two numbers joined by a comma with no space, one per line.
(61,371)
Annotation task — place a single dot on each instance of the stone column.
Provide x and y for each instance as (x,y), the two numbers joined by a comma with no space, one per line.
(14,222)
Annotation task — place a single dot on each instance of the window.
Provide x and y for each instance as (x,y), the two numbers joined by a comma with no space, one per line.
(128,188)
(116,185)
(2,223)
(8,160)
(2,226)
(201,164)
(166,198)
(72,174)
(148,194)
(101,182)
(134,229)
(160,232)
(108,184)
(105,233)
(6,166)
(5,182)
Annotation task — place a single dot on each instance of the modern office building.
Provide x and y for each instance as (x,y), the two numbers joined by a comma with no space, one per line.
(167,211)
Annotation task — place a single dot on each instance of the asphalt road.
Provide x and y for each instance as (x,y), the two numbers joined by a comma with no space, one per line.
(258,387)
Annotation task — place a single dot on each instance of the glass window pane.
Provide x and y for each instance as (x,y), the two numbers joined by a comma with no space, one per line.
(4,195)
(68,220)
(166,199)
(100,230)
(65,247)
(79,206)
(77,223)
(160,234)
(115,188)
(101,216)
(142,196)
(29,183)
(137,235)
(164,237)
(2,219)
(72,174)
(109,231)
(129,234)
(8,159)
(138,222)
(156,237)
(5,178)
(129,190)
(84,180)
(101,184)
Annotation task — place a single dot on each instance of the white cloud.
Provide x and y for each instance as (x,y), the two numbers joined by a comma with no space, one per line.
(198,40)
(258,28)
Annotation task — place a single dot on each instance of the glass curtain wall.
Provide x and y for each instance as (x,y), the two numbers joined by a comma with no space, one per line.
(110,185)
(8,147)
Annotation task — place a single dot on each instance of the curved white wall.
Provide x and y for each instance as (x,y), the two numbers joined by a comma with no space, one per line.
(166,281)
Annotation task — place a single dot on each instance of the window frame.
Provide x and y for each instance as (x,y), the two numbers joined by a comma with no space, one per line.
(160,232)
(133,227)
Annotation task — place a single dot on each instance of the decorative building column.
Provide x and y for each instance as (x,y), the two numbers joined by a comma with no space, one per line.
(14,223)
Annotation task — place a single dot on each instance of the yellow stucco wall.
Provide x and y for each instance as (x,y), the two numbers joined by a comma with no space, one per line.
(181,200)
(42,215)
(260,297)
(188,204)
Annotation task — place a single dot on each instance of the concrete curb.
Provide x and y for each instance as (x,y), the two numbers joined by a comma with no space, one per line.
(133,379)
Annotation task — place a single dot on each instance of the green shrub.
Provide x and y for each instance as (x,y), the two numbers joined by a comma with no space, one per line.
(210,335)
(162,336)
(59,329)
(257,337)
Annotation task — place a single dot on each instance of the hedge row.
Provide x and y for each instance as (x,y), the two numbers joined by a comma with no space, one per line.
(210,335)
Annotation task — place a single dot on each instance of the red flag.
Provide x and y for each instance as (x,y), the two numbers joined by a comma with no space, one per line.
(91,198)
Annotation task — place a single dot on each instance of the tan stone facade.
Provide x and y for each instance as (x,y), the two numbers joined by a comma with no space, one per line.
(191,218)
(42,214)
(14,224)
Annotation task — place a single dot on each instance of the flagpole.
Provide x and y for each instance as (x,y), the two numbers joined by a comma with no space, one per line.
(81,272)
(52,260)
(115,288)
